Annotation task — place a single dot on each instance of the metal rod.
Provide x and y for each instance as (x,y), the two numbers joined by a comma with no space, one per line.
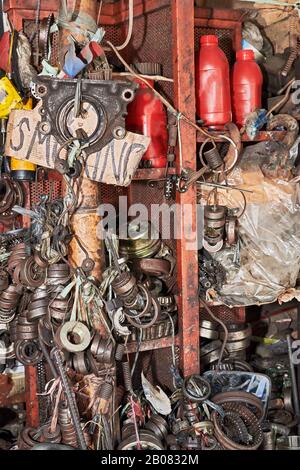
(55,353)
(293,379)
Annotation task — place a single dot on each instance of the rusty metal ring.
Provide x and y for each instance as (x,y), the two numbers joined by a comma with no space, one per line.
(153,266)
(199,382)
(78,330)
(231,230)
(31,275)
(248,399)
(39,260)
(156,310)
(26,355)
(287,121)
(80,363)
(135,314)
(249,419)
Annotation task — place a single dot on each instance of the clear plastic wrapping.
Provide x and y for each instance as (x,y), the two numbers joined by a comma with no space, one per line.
(265,265)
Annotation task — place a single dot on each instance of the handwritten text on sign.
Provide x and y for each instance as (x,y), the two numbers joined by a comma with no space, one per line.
(115,164)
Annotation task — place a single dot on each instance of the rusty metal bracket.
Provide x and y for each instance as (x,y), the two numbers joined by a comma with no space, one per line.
(101,118)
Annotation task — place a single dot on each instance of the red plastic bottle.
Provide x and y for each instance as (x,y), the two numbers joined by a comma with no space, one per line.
(213,100)
(247,81)
(147,116)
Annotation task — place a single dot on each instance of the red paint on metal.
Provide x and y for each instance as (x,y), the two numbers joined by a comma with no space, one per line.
(153,344)
(187,257)
(32,403)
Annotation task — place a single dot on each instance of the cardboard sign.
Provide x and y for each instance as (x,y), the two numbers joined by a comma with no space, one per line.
(115,164)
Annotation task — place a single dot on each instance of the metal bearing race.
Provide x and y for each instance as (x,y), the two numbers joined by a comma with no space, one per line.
(167,302)
(208,330)
(13,330)
(59,309)
(237,332)
(47,436)
(128,429)
(81,363)
(4,281)
(288,399)
(158,425)
(211,352)
(283,417)
(147,441)
(7,316)
(79,330)
(28,438)
(237,346)
(249,418)
(26,330)
(246,398)
(193,381)
(31,275)
(26,356)
(130,303)
(37,309)
(18,254)
(123,283)
(103,350)
(180,425)
(58,274)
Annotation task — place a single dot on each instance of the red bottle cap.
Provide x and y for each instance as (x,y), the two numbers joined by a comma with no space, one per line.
(245,54)
(209,39)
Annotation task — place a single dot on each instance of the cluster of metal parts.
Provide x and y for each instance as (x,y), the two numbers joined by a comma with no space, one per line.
(219,227)
(142,308)
(40,300)
(11,194)
(199,420)
(237,343)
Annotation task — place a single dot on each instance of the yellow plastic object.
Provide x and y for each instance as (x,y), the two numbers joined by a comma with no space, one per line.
(21,165)
(9,97)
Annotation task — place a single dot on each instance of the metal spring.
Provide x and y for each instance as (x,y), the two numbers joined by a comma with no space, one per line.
(191,412)
(44,400)
(127,376)
(13,330)
(66,426)
(120,350)
(213,158)
(70,398)
(106,391)
(293,55)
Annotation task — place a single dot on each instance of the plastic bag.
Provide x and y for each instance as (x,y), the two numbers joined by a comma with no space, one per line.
(269,233)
